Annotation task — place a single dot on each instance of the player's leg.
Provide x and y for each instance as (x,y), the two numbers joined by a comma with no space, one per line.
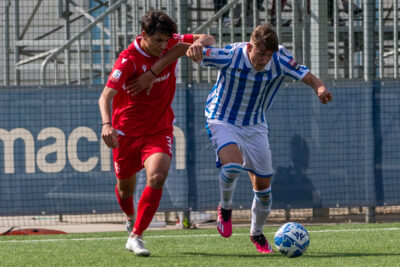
(232,165)
(157,166)
(260,211)
(156,154)
(127,162)
(124,190)
(258,163)
(224,138)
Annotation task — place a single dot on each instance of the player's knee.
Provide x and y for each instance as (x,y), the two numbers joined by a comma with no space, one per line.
(230,171)
(156,180)
(125,192)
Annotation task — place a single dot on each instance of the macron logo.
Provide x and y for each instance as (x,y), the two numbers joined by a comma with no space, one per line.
(124,60)
(144,67)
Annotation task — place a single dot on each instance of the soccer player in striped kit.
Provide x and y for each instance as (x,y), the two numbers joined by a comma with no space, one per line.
(250,74)
(139,129)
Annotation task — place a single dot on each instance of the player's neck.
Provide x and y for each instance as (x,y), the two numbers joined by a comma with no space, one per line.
(144,46)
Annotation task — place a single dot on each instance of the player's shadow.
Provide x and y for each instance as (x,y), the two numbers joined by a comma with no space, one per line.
(290,186)
(344,254)
(306,255)
(232,255)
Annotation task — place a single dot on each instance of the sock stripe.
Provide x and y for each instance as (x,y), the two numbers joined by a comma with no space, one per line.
(233,167)
(226,179)
(264,197)
(230,171)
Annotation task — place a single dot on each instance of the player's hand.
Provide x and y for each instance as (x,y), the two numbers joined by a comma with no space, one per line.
(109,135)
(143,82)
(324,96)
(195,52)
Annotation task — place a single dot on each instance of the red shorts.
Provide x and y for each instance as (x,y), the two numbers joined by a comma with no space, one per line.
(129,157)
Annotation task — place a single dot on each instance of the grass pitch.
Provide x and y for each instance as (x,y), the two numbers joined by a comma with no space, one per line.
(337,245)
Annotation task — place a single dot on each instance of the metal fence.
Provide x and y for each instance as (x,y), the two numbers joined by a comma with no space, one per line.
(76,42)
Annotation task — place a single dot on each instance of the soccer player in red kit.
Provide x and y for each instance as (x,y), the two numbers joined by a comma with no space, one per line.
(140,127)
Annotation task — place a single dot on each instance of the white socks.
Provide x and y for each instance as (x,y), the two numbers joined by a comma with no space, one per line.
(260,210)
(227,183)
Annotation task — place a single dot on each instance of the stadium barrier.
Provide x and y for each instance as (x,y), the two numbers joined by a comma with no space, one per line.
(344,154)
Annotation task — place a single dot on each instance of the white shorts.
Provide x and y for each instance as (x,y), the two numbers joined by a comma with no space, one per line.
(252,142)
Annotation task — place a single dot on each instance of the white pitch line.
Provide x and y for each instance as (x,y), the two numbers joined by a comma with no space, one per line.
(180,236)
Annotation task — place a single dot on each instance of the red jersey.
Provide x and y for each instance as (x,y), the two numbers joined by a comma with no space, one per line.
(143,114)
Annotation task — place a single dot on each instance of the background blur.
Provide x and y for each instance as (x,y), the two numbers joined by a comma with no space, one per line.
(335,162)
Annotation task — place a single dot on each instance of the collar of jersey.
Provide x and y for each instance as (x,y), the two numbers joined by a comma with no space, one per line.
(138,48)
(248,63)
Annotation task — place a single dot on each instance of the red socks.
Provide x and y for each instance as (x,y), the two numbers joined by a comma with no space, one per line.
(147,207)
(125,204)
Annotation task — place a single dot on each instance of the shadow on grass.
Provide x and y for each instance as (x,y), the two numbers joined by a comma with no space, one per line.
(307,255)
(230,255)
(350,254)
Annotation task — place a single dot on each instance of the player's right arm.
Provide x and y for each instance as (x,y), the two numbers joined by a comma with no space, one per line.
(123,68)
(108,133)
(319,87)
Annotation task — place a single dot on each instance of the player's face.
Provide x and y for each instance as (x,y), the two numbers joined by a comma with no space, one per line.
(259,57)
(154,44)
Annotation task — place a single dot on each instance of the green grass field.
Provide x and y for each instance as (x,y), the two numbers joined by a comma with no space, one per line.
(337,245)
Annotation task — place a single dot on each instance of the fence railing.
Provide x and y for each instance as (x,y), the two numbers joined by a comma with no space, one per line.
(82,47)
(96,22)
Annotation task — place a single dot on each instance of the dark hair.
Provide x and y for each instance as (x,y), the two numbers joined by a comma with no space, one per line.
(265,36)
(157,21)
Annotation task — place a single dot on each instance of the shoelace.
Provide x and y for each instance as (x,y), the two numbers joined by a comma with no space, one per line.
(140,242)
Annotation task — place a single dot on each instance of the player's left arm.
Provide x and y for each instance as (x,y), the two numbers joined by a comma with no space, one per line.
(319,87)
(145,81)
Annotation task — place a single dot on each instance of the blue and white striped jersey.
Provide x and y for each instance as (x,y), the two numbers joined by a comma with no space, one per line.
(242,95)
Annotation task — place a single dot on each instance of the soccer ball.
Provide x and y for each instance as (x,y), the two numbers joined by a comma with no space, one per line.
(292,239)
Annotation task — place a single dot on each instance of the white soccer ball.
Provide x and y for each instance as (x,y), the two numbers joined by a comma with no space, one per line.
(292,239)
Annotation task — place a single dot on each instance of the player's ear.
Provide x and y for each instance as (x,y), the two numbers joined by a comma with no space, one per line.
(249,47)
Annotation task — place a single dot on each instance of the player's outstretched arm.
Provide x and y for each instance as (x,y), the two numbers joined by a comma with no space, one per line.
(319,87)
(108,133)
(145,81)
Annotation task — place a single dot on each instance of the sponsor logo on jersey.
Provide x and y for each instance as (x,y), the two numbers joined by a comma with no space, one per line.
(144,67)
(178,36)
(115,76)
(209,52)
(162,78)
(294,64)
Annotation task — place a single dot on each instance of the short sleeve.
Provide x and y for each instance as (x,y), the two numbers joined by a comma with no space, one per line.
(218,57)
(180,38)
(123,68)
(290,66)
